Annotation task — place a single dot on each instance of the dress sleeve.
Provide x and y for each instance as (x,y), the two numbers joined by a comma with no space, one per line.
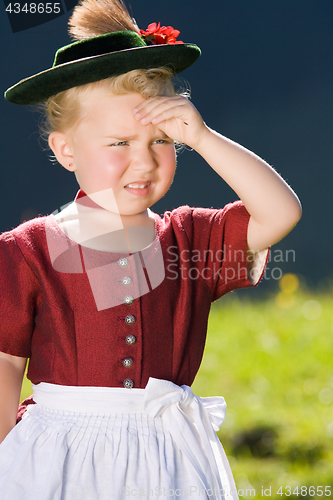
(18,295)
(221,236)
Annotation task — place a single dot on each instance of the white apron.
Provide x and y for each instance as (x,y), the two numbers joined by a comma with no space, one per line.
(101,443)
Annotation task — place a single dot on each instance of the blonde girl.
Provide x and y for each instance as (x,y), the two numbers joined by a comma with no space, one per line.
(109,300)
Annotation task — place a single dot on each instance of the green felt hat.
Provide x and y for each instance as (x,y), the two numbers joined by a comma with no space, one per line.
(97,58)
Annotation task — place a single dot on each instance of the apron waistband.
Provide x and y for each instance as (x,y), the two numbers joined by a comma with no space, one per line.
(92,400)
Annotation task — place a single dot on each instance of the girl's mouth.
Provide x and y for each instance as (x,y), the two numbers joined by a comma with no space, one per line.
(138,188)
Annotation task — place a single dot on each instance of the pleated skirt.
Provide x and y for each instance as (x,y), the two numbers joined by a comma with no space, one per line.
(99,443)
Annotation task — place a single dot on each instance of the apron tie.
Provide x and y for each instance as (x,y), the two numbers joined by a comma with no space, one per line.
(191,421)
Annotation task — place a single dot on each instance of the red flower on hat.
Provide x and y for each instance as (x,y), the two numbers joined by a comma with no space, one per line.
(160,35)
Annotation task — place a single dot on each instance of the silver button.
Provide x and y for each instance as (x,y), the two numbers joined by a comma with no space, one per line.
(127,362)
(128,383)
(127,280)
(130,319)
(129,299)
(130,339)
(123,262)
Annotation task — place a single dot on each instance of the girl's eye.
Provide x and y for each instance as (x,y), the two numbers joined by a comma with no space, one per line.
(160,141)
(121,143)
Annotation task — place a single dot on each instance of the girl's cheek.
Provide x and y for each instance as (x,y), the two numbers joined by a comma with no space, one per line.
(170,157)
(116,157)
(167,152)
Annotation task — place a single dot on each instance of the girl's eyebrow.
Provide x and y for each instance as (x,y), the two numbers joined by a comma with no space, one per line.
(118,137)
(131,137)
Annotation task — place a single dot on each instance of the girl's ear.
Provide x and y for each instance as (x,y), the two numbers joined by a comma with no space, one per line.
(61,147)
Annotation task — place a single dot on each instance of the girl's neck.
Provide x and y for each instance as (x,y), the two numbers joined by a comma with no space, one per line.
(96,228)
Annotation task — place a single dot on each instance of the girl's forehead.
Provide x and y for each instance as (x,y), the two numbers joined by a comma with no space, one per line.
(100,107)
(105,114)
(102,98)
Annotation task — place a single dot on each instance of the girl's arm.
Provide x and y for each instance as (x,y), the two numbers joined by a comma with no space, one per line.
(11,375)
(273,206)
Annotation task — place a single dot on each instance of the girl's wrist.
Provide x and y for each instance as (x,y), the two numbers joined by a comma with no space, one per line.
(199,145)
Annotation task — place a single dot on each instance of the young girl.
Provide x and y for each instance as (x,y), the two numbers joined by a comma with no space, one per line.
(109,300)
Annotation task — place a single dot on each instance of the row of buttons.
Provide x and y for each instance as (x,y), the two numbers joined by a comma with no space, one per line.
(130,320)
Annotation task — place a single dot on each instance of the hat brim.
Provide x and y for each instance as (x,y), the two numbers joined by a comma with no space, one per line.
(40,87)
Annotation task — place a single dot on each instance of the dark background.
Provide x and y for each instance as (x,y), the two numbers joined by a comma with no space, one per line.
(264,79)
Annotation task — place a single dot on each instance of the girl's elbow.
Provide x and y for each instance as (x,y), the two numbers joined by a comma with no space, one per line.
(290,211)
(291,218)
(287,221)
(295,213)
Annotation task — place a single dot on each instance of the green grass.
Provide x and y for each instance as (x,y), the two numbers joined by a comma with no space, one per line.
(272,362)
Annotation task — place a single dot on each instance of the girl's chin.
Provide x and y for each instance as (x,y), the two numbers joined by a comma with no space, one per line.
(132,214)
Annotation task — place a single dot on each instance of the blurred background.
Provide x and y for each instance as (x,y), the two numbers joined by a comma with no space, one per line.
(265,80)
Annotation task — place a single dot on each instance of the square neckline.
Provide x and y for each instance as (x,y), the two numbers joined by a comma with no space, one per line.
(55,224)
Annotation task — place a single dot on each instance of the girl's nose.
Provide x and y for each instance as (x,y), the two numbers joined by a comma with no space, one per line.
(144,160)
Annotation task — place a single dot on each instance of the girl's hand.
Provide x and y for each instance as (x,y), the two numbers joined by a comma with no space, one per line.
(175,116)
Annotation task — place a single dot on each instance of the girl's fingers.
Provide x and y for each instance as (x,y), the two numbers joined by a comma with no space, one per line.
(145,107)
(175,112)
(155,106)
(162,111)
(151,101)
